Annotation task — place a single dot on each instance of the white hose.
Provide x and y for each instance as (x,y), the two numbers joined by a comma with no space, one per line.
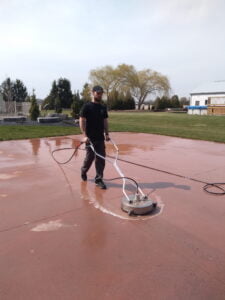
(114,163)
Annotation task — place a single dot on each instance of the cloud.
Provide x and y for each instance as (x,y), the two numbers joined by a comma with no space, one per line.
(43,40)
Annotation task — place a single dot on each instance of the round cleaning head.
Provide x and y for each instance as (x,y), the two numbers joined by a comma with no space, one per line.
(140,206)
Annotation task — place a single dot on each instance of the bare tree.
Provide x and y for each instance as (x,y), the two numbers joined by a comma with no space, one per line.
(7,92)
(125,78)
(105,77)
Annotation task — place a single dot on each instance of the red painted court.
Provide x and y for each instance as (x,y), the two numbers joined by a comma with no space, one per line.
(61,238)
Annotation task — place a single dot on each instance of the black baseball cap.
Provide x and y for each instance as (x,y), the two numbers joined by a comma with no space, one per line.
(97,88)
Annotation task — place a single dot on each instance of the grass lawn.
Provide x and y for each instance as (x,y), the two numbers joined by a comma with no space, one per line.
(18,132)
(210,128)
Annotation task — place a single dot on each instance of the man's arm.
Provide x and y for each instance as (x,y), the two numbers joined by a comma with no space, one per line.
(82,123)
(106,129)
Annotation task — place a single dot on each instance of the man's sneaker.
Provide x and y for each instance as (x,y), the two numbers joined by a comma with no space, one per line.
(84,176)
(101,184)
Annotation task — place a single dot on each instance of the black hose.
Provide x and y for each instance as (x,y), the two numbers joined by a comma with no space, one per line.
(215,185)
(75,150)
(60,149)
(206,187)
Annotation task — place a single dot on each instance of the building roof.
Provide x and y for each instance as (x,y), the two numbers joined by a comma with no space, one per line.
(215,87)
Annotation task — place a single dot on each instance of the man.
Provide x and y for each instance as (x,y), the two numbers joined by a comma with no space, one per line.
(94,124)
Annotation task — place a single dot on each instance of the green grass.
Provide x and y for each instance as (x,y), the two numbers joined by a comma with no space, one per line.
(18,132)
(209,128)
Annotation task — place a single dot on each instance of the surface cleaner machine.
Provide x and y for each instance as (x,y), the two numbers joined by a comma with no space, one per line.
(134,204)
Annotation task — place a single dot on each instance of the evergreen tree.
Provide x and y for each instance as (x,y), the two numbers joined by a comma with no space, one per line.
(19,91)
(49,101)
(113,98)
(76,105)
(156,103)
(61,89)
(121,104)
(129,101)
(163,103)
(58,105)
(34,109)
(175,101)
(64,92)
(120,101)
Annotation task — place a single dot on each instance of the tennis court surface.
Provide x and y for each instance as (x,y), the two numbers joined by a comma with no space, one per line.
(61,238)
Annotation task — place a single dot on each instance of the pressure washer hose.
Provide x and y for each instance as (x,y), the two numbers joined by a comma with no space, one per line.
(112,161)
(206,187)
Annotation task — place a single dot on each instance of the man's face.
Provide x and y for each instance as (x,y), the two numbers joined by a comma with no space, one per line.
(98,95)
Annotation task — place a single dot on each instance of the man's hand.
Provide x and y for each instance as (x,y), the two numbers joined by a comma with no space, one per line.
(107,138)
(85,140)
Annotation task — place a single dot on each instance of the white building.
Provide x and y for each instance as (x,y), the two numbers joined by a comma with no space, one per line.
(208,99)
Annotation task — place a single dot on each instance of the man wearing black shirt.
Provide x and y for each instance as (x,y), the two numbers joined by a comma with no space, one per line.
(94,124)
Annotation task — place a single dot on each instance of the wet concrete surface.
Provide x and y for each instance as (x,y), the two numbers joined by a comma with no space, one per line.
(61,238)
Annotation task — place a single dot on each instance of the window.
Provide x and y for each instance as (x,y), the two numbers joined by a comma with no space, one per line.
(197,103)
(206,102)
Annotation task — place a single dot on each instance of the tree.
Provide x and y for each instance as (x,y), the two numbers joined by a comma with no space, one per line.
(49,101)
(142,83)
(58,105)
(61,89)
(76,105)
(112,99)
(64,92)
(129,102)
(125,78)
(34,109)
(19,91)
(162,103)
(120,100)
(7,90)
(104,77)
(13,91)
(86,93)
(156,102)
(175,101)
(184,101)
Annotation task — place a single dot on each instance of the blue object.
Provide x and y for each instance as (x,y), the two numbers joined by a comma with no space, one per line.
(197,107)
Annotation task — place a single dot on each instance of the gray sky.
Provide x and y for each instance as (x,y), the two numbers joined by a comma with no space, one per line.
(43,40)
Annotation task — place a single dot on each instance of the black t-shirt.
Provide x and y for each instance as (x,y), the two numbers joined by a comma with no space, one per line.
(95,113)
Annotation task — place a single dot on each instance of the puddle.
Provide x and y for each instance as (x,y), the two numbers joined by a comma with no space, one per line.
(125,149)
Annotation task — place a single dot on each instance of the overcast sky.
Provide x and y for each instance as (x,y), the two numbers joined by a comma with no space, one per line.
(41,41)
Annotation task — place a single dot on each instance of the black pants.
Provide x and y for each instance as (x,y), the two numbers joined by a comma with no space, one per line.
(90,157)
